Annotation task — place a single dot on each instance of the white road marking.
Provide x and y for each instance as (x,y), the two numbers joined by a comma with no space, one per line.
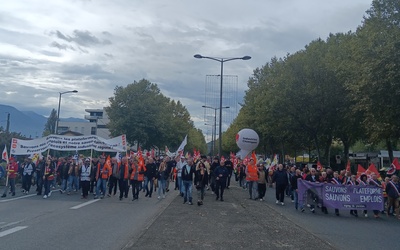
(84,204)
(11,230)
(17,198)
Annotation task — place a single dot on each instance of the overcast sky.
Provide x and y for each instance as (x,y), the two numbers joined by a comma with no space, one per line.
(47,47)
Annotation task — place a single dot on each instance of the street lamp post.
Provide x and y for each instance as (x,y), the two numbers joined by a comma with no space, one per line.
(59,105)
(221,60)
(8,122)
(215,124)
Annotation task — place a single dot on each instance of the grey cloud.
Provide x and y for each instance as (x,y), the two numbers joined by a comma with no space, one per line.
(50,53)
(61,46)
(83,38)
(108,55)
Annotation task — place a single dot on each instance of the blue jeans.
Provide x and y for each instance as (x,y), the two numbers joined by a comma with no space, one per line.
(72,181)
(64,184)
(161,187)
(146,185)
(187,191)
(296,199)
(11,182)
(180,185)
(101,183)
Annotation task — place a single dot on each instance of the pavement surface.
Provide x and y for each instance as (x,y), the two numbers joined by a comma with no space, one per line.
(236,223)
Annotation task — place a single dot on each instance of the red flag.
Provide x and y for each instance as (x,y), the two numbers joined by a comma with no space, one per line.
(4,155)
(348,168)
(108,162)
(360,171)
(396,164)
(254,157)
(372,169)
(319,166)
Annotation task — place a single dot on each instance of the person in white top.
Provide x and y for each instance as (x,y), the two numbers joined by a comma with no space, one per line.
(179,165)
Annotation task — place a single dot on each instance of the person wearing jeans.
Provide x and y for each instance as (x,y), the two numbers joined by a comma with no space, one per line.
(162,176)
(187,178)
(280,179)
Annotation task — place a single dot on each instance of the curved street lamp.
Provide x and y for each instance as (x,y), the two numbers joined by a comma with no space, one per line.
(221,60)
(59,104)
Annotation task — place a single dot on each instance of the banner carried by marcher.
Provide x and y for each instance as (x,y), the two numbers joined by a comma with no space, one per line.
(67,143)
(347,197)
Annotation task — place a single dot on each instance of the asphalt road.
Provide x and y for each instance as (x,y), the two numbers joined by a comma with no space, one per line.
(68,222)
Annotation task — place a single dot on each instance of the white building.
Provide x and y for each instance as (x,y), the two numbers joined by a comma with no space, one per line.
(99,120)
(96,124)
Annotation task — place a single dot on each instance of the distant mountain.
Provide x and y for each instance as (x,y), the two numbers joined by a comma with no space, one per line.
(28,123)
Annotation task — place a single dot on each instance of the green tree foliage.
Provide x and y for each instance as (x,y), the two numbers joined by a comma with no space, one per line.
(148,118)
(50,126)
(343,89)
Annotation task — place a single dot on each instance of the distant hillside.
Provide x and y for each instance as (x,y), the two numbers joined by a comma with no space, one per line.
(28,123)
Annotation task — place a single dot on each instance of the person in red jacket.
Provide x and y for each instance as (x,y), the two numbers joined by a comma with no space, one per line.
(12,171)
(103,172)
(137,176)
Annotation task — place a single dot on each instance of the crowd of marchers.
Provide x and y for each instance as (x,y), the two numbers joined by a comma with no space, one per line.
(104,176)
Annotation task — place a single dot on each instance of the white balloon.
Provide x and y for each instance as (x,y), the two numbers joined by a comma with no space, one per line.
(247,139)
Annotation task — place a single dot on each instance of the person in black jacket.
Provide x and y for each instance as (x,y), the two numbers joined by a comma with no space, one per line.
(150,176)
(229,166)
(200,181)
(63,173)
(221,174)
(280,179)
(293,182)
(187,180)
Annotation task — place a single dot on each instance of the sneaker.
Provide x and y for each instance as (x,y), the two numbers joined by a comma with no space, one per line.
(45,197)
(302,210)
(190,203)
(61,192)
(282,203)
(261,199)
(159,197)
(292,201)
(312,210)
(27,192)
(108,195)
(163,196)
(184,202)
(198,203)
(365,215)
(49,194)
(23,191)
(96,197)
(277,202)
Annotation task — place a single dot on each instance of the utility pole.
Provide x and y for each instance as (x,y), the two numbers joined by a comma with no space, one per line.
(8,123)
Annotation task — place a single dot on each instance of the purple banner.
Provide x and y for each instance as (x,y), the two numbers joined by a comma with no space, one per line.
(340,196)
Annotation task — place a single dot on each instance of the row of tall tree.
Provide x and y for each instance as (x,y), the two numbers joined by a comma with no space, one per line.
(345,88)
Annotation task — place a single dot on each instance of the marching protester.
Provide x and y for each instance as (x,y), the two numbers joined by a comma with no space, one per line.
(179,165)
(229,166)
(12,171)
(363,182)
(150,176)
(353,182)
(122,178)
(200,181)
(336,181)
(213,166)
(48,178)
(63,173)
(39,175)
(312,177)
(171,165)
(187,181)
(28,169)
(136,178)
(252,178)
(113,180)
(93,174)
(84,173)
(293,182)
(375,182)
(280,179)
(73,176)
(242,174)
(221,174)
(103,172)
(262,180)
(162,176)
(393,191)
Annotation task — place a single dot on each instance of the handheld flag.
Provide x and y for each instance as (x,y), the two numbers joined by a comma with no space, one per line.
(396,164)
(4,155)
(182,146)
(348,169)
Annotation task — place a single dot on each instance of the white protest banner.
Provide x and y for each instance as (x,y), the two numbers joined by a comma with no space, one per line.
(67,143)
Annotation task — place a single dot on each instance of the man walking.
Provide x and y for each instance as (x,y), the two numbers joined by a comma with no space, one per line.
(187,179)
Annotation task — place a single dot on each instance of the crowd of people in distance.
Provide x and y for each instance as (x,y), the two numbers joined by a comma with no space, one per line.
(103,176)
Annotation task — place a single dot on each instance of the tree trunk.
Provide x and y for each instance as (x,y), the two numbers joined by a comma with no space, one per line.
(390,149)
